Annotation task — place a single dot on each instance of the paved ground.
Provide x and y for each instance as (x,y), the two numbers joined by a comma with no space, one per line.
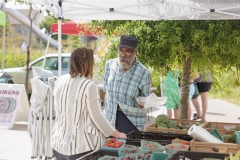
(15,143)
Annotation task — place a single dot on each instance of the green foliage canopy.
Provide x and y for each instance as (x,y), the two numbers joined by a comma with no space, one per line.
(186,45)
(207,43)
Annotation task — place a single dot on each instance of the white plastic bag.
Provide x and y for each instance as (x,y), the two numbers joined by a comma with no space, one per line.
(151,101)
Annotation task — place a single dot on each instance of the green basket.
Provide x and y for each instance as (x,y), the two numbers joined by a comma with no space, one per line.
(216,134)
(159,156)
(237,137)
(114,149)
(127,151)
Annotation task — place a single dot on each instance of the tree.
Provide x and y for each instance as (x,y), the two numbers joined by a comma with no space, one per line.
(28,47)
(188,45)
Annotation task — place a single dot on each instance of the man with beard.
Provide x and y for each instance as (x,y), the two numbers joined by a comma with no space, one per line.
(125,80)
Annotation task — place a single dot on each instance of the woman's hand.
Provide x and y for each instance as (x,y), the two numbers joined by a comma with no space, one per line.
(122,135)
(118,134)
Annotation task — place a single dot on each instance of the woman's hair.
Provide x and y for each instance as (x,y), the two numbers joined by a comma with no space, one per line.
(81,62)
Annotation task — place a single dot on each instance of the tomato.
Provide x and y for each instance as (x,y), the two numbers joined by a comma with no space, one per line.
(117,146)
(113,140)
(111,145)
(171,146)
(183,147)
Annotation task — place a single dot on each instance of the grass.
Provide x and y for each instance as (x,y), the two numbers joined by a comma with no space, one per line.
(227,90)
(14,58)
(229,94)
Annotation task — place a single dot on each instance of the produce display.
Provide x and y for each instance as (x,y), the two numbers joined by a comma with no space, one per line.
(176,140)
(113,143)
(173,148)
(132,157)
(147,157)
(154,145)
(162,121)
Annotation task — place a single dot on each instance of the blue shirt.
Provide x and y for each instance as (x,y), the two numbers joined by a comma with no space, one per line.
(124,88)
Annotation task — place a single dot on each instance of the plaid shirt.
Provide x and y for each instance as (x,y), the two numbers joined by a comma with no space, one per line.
(124,89)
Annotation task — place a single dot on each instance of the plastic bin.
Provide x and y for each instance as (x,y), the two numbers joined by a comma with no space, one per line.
(173,148)
(186,155)
(97,154)
(162,138)
(157,136)
(159,156)
(114,149)
(150,145)
(130,146)
(237,137)
(148,157)
(125,151)
(142,135)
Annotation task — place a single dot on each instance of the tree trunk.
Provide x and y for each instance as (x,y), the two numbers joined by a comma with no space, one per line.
(185,87)
(28,49)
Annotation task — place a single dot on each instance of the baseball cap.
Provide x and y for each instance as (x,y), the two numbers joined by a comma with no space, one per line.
(128,42)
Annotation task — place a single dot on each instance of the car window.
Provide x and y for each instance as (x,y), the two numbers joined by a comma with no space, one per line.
(37,64)
(65,64)
(50,63)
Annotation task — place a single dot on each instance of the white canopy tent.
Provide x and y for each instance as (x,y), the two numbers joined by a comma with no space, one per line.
(137,10)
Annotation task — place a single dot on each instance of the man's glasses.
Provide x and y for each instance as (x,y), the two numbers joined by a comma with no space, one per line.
(126,52)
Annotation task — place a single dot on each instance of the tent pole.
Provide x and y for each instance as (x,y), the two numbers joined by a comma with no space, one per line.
(3,47)
(59,47)
(59,37)
(44,60)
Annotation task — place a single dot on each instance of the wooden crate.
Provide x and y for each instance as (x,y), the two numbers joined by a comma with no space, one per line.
(186,123)
(220,125)
(208,147)
(221,131)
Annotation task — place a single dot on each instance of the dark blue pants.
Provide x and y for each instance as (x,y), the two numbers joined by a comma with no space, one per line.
(60,156)
(123,124)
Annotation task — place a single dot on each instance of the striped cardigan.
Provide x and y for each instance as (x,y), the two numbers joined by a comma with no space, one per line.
(80,125)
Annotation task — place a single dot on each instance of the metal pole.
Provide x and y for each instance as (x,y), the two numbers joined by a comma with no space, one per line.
(46,51)
(59,48)
(59,37)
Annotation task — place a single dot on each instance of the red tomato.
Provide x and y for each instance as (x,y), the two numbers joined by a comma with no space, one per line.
(171,146)
(117,145)
(111,145)
(183,147)
(113,140)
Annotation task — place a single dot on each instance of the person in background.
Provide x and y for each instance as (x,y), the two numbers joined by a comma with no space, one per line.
(204,86)
(24,47)
(80,126)
(171,90)
(194,76)
(126,79)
